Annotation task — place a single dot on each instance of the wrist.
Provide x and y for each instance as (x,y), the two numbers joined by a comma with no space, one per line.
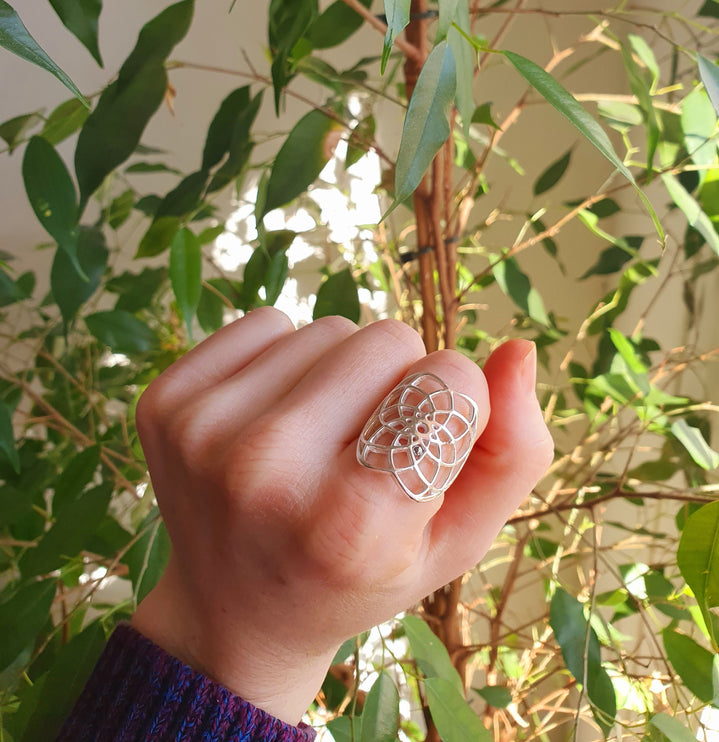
(278,678)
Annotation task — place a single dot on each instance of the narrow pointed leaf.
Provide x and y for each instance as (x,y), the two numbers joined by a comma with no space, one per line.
(426,127)
(52,195)
(186,274)
(70,289)
(335,25)
(692,662)
(697,559)
(113,130)
(465,58)
(338,296)
(17,39)
(397,14)
(430,654)
(288,21)
(582,655)
(553,174)
(64,121)
(121,331)
(692,211)
(7,437)
(22,617)
(447,14)
(70,532)
(709,73)
(80,17)
(451,713)
(693,440)
(148,557)
(380,715)
(672,728)
(301,158)
(65,681)
(13,131)
(641,88)
(564,102)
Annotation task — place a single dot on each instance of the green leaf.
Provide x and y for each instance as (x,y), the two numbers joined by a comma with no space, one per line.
(22,616)
(64,121)
(564,102)
(119,210)
(75,524)
(17,39)
(239,147)
(221,131)
(582,655)
(451,714)
(342,729)
(709,73)
(69,289)
(483,115)
(627,351)
(137,290)
(672,728)
(113,130)
(121,331)
(158,237)
(515,284)
(496,696)
(380,716)
(691,662)
(426,127)
(73,479)
(7,437)
(430,654)
(148,557)
(697,559)
(70,671)
(553,174)
(447,14)
(288,21)
(397,15)
(210,311)
(641,87)
(80,17)
(301,158)
(465,58)
(338,295)
(186,274)
(52,195)
(715,681)
(335,25)
(710,9)
(12,291)
(693,440)
(14,130)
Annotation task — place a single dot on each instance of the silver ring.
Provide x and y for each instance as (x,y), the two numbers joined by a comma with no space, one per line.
(422,433)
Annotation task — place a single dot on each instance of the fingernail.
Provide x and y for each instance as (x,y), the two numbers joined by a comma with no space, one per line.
(528,369)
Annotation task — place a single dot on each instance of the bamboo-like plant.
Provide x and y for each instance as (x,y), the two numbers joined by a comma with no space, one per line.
(592,614)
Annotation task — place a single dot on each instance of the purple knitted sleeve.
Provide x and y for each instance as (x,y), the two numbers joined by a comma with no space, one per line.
(139,692)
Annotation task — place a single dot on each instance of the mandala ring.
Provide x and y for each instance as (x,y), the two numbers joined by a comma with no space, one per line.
(422,433)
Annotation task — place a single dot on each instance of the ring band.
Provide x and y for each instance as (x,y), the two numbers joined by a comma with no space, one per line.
(422,433)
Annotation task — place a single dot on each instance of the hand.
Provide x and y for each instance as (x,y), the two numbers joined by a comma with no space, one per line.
(283,545)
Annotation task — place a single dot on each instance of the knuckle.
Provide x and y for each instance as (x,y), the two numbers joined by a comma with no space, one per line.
(273,315)
(336,325)
(400,332)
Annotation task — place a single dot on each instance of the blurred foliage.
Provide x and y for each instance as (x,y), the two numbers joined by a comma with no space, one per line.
(595,609)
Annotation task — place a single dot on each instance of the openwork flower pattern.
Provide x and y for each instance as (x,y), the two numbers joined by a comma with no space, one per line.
(422,433)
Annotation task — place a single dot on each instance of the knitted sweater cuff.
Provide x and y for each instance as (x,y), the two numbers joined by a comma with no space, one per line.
(139,692)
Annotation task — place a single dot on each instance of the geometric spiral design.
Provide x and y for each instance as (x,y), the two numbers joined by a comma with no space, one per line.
(422,433)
